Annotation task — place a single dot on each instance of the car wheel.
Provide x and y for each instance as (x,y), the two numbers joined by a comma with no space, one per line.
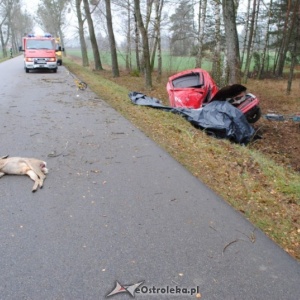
(254,115)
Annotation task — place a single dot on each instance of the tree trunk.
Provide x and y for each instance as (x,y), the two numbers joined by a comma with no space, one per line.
(246,28)
(148,13)
(284,43)
(294,52)
(251,40)
(112,41)
(292,67)
(232,42)
(154,48)
(4,52)
(201,31)
(128,38)
(85,59)
(224,75)
(157,39)
(137,42)
(145,41)
(96,54)
(3,44)
(160,4)
(266,39)
(216,65)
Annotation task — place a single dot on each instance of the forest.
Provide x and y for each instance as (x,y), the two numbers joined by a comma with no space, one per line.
(234,40)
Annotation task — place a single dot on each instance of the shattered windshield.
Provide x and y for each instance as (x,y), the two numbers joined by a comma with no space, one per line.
(39,44)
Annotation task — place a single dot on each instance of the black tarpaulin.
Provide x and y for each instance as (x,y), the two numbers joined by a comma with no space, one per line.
(218,118)
(141,99)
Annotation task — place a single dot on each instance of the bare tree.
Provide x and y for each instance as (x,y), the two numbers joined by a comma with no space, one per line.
(84,54)
(201,30)
(294,50)
(125,14)
(13,24)
(158,5)
(112,41)
(266,43)
(246,31)
(51,17)
(96,53)
(128,37)
(147,23)
(232,42)
(216,66)
(137,43)
(21,23)
(145,41)
(282,50)
(6,7)
(252,33)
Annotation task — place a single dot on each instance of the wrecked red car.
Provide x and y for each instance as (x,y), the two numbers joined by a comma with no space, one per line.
(195,88)
(191,88)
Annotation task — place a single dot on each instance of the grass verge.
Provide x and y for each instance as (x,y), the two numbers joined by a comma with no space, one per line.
(267,194)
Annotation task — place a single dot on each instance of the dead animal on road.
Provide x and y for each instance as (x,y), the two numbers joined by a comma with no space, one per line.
(34,168)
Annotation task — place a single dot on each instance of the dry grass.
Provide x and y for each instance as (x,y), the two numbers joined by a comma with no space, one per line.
(265,191)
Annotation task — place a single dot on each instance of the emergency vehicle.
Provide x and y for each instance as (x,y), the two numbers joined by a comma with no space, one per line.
(39,52)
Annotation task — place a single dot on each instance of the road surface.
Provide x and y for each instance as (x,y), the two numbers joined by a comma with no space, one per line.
(115,207)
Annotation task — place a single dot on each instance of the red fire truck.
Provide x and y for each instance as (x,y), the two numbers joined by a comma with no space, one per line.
(39,52)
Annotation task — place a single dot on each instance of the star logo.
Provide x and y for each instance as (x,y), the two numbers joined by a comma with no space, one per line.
(125,289)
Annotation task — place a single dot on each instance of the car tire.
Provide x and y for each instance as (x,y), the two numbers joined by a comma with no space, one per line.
(253,115)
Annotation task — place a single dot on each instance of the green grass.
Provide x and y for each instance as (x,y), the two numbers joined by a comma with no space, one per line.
(170,63)
(3,59)
(291,188)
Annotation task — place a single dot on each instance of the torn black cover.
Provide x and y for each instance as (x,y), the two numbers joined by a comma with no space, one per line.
(218,118)
(141,99)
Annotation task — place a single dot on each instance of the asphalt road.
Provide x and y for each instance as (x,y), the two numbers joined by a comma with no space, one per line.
(116,207)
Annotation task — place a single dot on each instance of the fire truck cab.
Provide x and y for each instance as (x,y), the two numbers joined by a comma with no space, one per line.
(39,52)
